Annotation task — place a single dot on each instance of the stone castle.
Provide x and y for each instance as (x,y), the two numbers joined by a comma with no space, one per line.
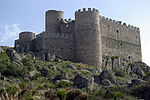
(90,38)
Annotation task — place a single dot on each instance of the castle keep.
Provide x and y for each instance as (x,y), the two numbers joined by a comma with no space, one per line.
(90,38)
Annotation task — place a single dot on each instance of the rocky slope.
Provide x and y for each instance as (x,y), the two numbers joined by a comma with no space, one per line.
(33,76)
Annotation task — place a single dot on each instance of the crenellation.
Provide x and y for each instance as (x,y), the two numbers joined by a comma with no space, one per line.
(79,10)
(84,9)
(87,39)
(89,9)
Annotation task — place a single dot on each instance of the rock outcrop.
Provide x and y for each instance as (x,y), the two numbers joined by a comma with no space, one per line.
(14,56)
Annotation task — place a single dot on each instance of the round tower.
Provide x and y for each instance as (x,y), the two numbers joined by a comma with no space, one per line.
(88,37)
(52,20)
(26,36)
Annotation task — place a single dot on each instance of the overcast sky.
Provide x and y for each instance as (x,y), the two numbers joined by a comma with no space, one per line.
(29,15)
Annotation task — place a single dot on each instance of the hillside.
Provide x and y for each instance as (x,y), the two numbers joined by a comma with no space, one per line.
(27,76)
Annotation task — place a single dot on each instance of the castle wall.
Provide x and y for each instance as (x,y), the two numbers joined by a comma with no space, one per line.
(88,37)
(38,42)
(62,45)
(120,40)
(67,26)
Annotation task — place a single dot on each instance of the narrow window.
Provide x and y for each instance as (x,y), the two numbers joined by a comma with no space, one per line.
(121,44)
(117,31)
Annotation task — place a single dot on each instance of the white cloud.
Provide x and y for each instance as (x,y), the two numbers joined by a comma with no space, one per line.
(8,33)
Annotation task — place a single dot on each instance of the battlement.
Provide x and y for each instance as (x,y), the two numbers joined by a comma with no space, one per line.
(87,10)
(120,23)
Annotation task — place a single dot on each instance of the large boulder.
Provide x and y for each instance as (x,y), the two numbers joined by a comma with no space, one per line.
(107,74)
(135,82)
(138,71)
(81,82)
(14,56)
(62,75)
(33,73)
(143,66)
(17,64)
(1,50)
(90,83)
(50,57)
(142,92)
(105,82)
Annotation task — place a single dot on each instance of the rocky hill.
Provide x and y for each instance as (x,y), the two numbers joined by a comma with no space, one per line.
(30,76)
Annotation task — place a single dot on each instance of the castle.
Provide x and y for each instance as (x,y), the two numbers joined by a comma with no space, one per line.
(90,38)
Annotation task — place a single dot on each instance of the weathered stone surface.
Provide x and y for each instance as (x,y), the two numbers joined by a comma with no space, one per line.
(107,74)
(105,82)
(135,83)
(94,71)
(17,64)
(50,57)
(14,56)
(139,72)
(62,75)
(1,50)
(82,82)
(32,73)
(90,83)
(71,66)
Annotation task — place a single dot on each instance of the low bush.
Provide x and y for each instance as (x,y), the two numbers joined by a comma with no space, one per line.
(119,72)
(117,95)
(75,94)
(61,94)
(63,84)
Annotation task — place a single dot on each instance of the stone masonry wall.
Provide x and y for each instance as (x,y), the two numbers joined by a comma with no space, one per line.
(120,40)
(88,37)
(60,44)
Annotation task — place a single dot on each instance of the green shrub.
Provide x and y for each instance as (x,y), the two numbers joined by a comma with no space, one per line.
(63,84)
(4,62)
(102,92)
(28,62)
(86,73)
(27,96)
(61,94)
(121,89)
(117,95)
(1,91)
(51,95)
(119,72)
(12,89)
(76,94)
(72,94)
